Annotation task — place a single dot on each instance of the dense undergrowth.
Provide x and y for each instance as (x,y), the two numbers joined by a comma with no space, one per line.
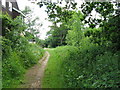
(91,67)
(15,63)
(90,58)
(90,61)
(17,53)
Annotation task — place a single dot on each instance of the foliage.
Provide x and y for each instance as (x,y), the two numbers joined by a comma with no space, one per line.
(32,23)
(58,16)
(111,32)
(105,9)
(91,60)
(17,53)
(75,34)
(53,77)
(56,13)
(108,35)
(90,67)
(57,35)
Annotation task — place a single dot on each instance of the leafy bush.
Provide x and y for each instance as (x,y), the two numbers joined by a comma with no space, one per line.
(31,54)
(15,62)
(95,64)
(17,53)
(12,69)
(88,67)
(92,68)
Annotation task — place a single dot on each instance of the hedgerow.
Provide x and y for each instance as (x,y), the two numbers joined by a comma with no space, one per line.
(17,53)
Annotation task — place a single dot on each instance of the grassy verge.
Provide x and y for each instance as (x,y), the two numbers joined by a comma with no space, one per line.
(54,71)
(91,67)
(53,76)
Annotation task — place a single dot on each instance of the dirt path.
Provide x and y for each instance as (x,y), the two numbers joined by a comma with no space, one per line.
(34,75)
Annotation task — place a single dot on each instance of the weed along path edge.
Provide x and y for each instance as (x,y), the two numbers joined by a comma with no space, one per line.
(33,77)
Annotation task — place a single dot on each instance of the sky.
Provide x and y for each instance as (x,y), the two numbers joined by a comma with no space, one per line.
(40,12)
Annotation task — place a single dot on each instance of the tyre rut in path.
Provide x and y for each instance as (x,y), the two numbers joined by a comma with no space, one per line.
(34,75)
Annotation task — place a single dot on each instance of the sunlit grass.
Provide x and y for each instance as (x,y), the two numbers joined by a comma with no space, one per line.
(53,77)
(70,67)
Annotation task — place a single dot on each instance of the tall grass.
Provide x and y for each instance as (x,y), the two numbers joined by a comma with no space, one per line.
(54,75)
(17,54)
(91,67)
(17,62)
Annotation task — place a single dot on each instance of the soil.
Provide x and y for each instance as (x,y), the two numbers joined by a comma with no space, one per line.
(34,76)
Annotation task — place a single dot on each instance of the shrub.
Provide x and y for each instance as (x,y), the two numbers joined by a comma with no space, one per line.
(92,68)
(17,53)
(16,62)
(85,67)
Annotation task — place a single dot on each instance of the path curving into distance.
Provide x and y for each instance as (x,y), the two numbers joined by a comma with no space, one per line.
(34,76)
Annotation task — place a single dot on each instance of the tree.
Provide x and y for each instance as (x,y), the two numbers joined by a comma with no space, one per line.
(105,9)
(31,22)
(109,33)
(75,34)
(58,15)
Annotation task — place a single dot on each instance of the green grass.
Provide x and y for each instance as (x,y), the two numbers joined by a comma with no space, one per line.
(53,76)
(54,71)
(91,67)
(17,62)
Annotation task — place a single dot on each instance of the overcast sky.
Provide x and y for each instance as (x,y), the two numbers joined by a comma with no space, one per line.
(40,12)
